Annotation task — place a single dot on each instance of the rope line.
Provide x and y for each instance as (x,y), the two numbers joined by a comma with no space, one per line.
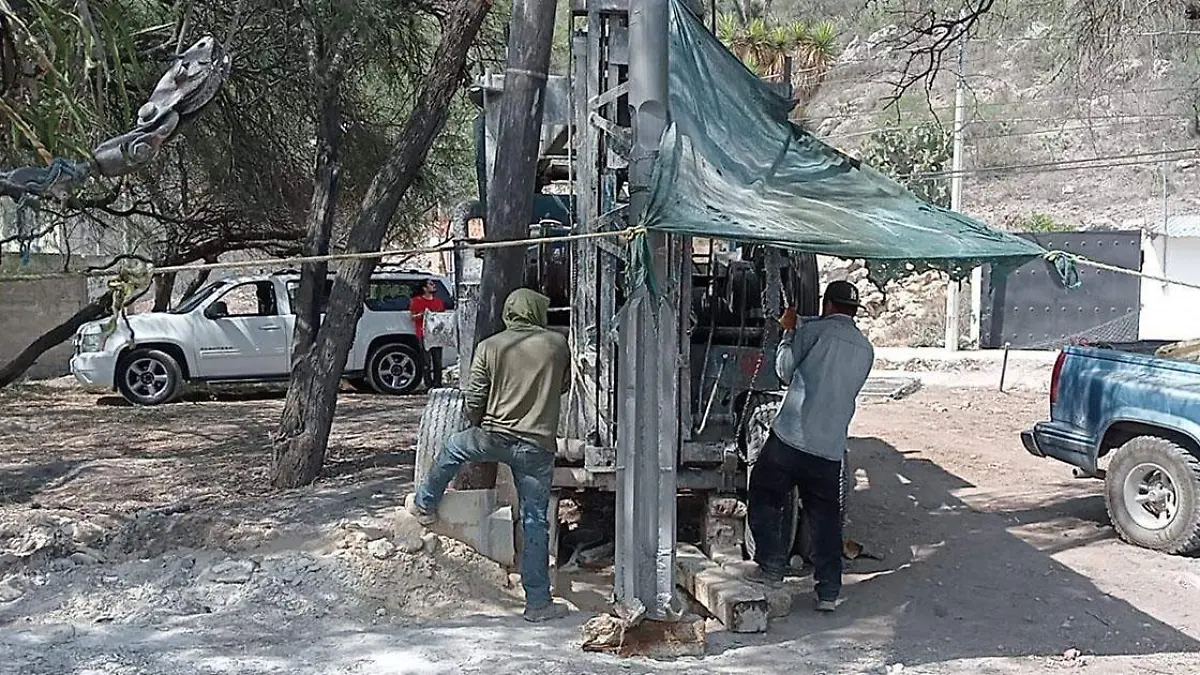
(628,233)
(1062,259)
(1073,259)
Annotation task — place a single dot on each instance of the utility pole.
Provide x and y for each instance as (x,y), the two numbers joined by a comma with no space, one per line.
(956,165)
(648,430)
(510,205)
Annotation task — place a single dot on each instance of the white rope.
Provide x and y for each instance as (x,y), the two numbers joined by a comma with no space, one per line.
(627,233)
(1080,260)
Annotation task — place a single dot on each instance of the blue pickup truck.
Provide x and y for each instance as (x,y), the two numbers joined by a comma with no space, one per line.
(1141,415)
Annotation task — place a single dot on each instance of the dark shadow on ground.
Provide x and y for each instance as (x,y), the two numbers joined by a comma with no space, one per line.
(21,485)
(956,584)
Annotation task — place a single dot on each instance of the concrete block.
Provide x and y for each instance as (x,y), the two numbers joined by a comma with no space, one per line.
(472,517)
(779,601)
(741,606)
(466,506)
(501,544)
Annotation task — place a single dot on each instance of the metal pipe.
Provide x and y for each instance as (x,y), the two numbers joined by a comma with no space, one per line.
(1004,365)
(648,433)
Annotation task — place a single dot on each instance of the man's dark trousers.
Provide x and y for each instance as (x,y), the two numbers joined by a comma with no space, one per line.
(779,469)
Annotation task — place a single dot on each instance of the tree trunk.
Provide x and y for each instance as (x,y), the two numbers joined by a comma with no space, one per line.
(319,227)
(509,209)
(164,287)
(201,278)
(299,445)
(15,368)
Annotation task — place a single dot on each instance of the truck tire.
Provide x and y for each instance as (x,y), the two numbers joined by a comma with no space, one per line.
(395,369)
(149,377)
(803,545)
(756,430)
(758,426)
(808,290)
(444,416)
(1152,490)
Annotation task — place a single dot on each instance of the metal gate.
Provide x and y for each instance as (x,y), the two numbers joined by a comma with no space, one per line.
(1030,308)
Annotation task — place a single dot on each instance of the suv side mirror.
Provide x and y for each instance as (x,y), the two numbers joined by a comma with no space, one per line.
(217,310)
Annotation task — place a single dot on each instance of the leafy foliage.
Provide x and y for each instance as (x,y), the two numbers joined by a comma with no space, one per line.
(765,46)
(1036,222)
(74,73)
(907,154)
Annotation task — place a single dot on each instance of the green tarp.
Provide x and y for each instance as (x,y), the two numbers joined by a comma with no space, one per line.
(732,166)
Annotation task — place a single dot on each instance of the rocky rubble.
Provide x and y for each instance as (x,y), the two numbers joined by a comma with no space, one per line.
(906,313)
(59,571)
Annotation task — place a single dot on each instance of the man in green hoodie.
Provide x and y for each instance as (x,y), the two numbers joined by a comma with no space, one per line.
(514,400)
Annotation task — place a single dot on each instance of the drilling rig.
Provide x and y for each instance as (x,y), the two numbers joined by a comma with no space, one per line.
(729,295)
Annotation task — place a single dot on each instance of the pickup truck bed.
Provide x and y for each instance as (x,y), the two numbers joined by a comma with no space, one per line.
(1142,414)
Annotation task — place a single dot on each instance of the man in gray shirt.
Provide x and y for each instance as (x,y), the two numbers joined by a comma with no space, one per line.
(824,363)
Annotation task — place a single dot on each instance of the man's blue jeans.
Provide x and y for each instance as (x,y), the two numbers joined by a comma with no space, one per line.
(779,469)
(533,471)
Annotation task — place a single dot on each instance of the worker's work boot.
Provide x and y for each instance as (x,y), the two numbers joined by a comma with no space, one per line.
(423,516)
(550,612)
(758,576)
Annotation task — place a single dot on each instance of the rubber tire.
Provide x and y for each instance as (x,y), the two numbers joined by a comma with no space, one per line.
(1182,535)
(174,374)
(803,542)
(808,294)
(757,426)
(444,416)
(382,351)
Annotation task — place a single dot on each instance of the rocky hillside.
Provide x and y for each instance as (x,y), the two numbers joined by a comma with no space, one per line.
(1082,145)
(1110,143)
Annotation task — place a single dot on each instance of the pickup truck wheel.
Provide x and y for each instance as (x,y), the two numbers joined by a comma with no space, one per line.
(149,377)
(1152,490)
(395,369)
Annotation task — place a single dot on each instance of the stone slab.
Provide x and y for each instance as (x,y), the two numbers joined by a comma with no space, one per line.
(741,606)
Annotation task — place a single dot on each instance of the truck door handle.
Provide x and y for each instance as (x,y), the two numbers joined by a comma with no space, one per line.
(268,327)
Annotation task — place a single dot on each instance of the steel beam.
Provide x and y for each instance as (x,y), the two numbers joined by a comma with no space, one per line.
(648,366)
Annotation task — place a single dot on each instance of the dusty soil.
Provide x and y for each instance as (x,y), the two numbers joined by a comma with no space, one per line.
(144,541)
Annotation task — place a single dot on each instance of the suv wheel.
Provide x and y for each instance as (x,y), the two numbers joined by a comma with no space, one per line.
(1152,490)
(395,369)
(149,377)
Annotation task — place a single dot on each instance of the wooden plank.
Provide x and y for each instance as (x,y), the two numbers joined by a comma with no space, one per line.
(741,606)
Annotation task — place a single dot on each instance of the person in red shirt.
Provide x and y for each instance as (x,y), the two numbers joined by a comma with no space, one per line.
(426,300)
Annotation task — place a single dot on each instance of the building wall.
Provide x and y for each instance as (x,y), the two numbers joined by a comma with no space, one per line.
(1170,312)
(30,308)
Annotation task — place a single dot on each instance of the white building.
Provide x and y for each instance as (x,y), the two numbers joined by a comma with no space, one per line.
(1171,250)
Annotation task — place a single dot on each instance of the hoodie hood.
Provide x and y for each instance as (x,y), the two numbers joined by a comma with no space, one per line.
(525,309)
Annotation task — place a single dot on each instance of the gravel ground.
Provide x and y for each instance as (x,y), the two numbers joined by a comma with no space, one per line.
(145,541)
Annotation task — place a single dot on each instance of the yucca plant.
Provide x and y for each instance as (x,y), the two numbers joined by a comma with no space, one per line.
(765,47)
(72,64)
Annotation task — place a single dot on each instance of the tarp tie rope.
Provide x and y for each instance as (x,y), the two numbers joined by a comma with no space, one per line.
(1067,266)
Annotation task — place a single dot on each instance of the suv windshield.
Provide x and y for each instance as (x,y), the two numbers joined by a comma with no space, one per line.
(194,300)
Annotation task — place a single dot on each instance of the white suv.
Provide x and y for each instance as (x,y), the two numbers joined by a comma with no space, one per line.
(241,330)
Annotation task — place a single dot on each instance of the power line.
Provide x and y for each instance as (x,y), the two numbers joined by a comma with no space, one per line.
(1101,121)
(886,112)
(1064,165)
(1066,38)
(975,137)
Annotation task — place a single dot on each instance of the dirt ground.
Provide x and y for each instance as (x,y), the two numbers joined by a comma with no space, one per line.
(144,541)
